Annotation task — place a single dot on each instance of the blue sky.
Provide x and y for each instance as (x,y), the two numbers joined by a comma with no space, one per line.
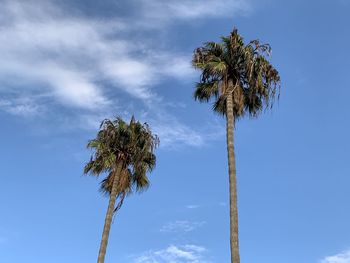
(66,65)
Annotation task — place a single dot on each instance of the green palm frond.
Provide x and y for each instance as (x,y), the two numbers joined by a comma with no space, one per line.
(131,145)
(233,68)
(206,90)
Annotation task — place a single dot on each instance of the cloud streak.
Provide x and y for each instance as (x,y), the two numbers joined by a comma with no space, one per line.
(20,107)
(72,55)
(83,63)
(181,226)
(343,257)
(172,254)
(175,10)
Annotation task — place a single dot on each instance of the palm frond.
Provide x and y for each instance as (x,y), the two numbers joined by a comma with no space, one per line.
(233,68)
(205,91)
(131,145)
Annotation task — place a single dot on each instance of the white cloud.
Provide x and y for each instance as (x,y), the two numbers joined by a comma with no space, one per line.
(206,205)
(84,63)
(174,133)
(72,55)
(25,107)
(343,257)
(192,9)
(192,206)
(181,226)
(174,254)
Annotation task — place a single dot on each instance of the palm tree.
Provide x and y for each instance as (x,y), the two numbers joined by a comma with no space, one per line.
(242,82)
(125,152)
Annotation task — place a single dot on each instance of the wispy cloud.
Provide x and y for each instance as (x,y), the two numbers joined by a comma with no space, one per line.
(174,133)
(173,10)
(172,254)
(182,226)
(72,55)
(343,257)
(84,63)
(20,106)
(193,206)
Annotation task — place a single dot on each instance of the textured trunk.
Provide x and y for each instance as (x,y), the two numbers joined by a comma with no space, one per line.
(232,181)
(109,216)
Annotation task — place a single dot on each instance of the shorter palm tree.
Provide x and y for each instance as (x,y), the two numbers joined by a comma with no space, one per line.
(125,153)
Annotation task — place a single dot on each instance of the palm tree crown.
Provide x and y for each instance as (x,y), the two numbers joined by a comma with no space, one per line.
(232,68)
(129,145)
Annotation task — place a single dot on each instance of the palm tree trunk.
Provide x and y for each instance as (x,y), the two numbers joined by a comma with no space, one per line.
(109,216)
(232,181)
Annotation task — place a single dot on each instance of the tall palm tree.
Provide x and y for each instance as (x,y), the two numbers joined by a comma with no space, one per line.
(125,153)
(242,82)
